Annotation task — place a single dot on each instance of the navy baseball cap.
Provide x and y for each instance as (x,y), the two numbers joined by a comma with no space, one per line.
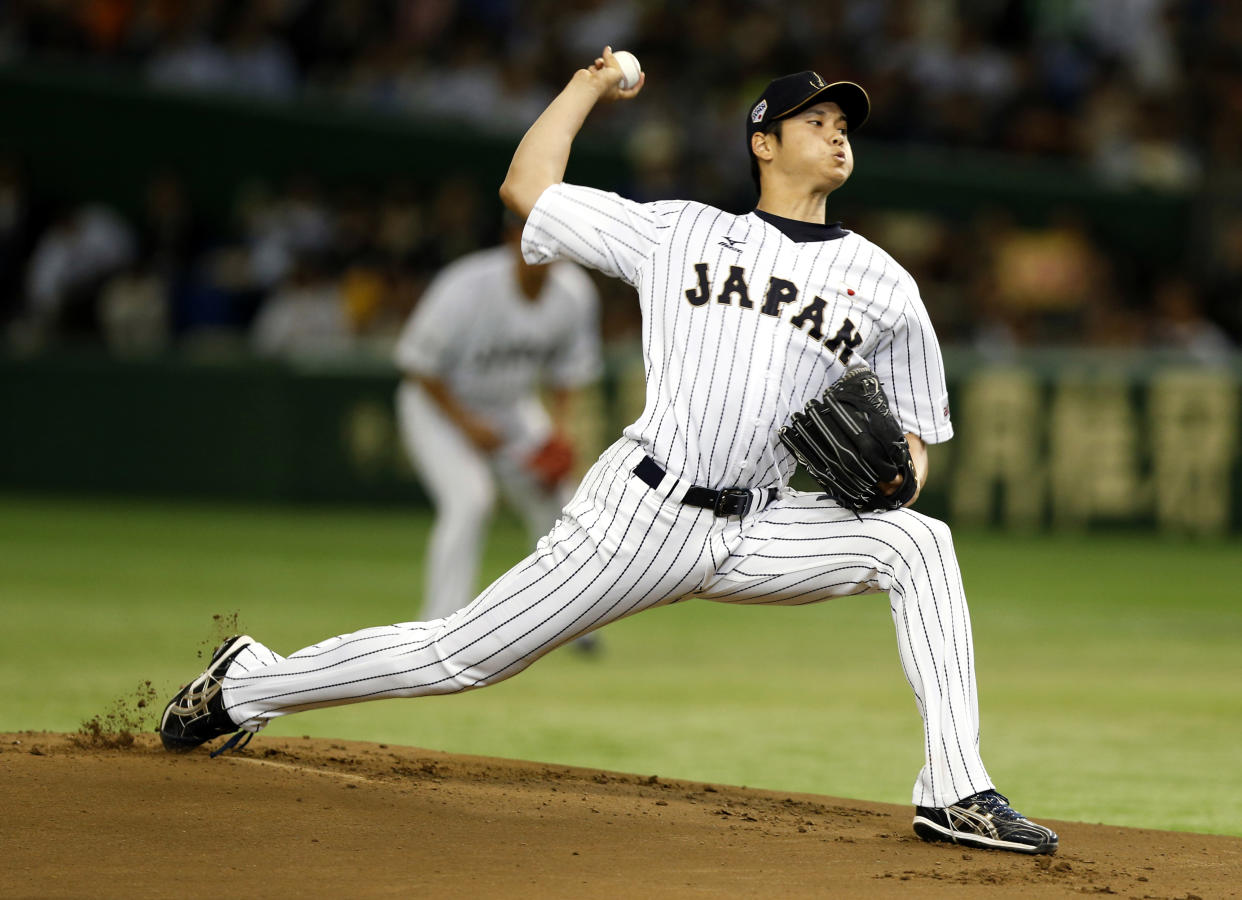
(790,94)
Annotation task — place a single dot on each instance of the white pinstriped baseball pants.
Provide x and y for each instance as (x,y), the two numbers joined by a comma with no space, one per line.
(621,547)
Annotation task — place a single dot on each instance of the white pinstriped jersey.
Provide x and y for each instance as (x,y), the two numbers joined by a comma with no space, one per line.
(743,325)
(492,346)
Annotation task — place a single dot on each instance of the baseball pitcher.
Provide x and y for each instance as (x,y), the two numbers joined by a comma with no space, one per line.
(769,337)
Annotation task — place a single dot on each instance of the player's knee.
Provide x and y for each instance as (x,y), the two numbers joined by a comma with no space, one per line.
(917,542)
(473,503)
(937,532)
(487,663)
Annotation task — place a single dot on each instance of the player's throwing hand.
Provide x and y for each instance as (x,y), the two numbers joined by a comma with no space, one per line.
(607,76)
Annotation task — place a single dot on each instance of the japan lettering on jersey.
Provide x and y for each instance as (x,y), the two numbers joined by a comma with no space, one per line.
(743,325)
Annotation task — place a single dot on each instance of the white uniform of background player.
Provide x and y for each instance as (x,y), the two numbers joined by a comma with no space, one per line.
(487,334)
(745,319)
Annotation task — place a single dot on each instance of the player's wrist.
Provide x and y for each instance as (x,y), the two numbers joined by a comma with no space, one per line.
(590,85)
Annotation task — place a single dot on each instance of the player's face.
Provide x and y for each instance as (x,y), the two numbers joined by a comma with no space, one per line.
(814,147)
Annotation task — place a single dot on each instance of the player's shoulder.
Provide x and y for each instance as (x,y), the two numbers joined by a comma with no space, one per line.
(659,207)
(573,281)
(485,260)
(472,275)
(692,209)
(679,221)
(474,265)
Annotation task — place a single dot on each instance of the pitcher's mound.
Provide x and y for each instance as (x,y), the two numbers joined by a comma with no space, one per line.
(317,818)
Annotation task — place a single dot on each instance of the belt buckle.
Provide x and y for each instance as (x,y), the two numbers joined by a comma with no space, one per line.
(733,502)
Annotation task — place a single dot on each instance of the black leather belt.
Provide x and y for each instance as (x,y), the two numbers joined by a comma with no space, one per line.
(728,502)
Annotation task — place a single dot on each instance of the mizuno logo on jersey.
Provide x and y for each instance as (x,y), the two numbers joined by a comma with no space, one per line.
(780,293)
(733,244)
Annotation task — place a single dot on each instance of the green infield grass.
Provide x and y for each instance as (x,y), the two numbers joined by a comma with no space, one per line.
(1110,666)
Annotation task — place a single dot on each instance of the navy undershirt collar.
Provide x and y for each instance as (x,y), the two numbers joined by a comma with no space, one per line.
(803,232)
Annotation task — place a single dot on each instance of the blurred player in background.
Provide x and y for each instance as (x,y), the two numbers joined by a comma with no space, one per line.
(490,332)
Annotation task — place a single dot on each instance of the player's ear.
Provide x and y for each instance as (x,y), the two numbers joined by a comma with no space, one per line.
(761,145)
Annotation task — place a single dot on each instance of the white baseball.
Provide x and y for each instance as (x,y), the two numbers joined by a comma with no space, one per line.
(630,69)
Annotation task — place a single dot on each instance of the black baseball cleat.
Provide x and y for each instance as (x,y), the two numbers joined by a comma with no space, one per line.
(196,714)
(984,820)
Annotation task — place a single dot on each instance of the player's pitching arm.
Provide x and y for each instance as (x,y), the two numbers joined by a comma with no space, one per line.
(561,404)
(477,431)
(540,159)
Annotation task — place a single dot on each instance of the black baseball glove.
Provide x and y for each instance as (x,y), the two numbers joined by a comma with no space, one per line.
(850,443)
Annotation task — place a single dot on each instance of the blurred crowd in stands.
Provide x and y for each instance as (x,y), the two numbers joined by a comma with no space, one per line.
(1145,94)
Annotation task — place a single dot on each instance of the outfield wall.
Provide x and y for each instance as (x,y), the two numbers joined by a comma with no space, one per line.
(1043,441)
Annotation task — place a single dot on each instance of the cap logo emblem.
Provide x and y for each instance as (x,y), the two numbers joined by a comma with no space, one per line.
(817,81)
(756,114)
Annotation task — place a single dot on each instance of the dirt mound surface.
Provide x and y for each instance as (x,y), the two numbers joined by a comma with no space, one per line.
(309,818)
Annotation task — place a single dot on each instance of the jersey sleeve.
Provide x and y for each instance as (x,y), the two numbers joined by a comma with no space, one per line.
(431,331)
(598,229)
(910,366)
(578,360)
